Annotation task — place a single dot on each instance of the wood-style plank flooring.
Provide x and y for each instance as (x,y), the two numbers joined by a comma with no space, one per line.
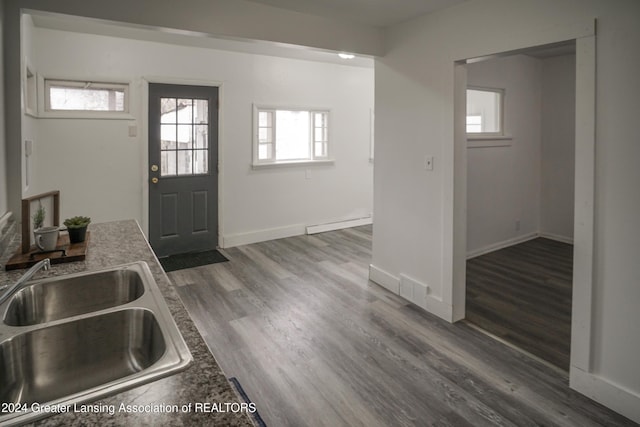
(522,294)
(314,343)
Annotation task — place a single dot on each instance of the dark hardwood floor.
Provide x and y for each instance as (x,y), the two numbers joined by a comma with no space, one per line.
(522,294)
(314,343)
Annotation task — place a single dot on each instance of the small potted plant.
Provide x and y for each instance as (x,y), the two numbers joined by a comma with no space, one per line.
(77,228)
(38,218)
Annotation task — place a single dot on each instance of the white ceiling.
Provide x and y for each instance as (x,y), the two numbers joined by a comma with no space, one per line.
(380,13)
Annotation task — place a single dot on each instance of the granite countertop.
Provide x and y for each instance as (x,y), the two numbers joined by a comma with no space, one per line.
(203,381)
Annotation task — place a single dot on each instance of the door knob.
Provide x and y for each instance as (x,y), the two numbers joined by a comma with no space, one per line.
(154,180)
(154,168)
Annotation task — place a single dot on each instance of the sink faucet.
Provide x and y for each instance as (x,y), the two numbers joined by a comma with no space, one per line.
(45,263)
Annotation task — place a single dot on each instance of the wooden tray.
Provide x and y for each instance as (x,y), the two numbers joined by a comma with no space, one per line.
(74,252)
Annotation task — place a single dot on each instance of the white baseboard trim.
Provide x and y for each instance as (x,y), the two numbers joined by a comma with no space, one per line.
(557,237)
(520,239)
(428,302)
(384,279)
(339,225)
(501,245)
(436,306)
(615,397)
(239,239)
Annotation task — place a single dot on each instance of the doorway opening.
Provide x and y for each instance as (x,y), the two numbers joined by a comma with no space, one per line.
(522,225)
(520,193)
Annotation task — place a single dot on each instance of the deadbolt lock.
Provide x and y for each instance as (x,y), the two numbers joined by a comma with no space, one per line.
(154,180)
(154,168)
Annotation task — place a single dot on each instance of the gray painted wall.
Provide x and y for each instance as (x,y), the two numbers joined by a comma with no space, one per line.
(503,181)
(523,186)
(558,146)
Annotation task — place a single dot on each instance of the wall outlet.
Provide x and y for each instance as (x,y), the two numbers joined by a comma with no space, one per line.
(518,225)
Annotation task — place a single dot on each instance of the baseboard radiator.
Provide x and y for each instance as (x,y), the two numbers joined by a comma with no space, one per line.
(339,225)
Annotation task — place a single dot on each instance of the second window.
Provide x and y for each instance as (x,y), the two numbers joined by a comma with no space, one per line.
(485,111)
(288,135)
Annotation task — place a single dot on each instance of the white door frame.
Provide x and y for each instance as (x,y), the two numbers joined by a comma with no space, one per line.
(144,149)
(582,311)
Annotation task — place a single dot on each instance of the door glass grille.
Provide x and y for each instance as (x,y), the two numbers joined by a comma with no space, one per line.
(184,136)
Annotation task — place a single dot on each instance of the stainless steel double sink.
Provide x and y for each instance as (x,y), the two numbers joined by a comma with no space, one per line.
(75,338)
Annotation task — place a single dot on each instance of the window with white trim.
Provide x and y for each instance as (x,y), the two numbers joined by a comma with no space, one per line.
(290,135)
(74,95)
(485,111)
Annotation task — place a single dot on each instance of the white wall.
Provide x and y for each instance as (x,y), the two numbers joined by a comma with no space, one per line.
(226,18)
(523,187)
(558,146)
(3,145)
(503,182)
(101,171)
(29,123)
(414,208)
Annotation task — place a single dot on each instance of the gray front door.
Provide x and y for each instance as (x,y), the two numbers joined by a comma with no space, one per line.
(183,159)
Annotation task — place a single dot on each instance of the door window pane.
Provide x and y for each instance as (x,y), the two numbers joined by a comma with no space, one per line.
(201,136)
(201,113)
(185,165)
(185,110)
(167,163)
(184,136)
(168,137)
(168,110)
(200,161)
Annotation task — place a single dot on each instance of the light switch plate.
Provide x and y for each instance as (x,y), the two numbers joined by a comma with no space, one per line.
(428,163)
(28,147)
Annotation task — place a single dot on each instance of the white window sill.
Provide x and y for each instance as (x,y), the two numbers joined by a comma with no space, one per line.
(481,141)
(293,164)
(95,115)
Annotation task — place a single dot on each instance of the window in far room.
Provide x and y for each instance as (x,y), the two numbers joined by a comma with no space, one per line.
(485,111)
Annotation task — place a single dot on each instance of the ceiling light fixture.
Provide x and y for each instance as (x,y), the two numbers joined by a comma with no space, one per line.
(345,55)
